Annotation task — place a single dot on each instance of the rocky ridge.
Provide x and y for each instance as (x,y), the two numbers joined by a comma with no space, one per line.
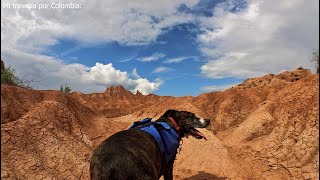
(264,128)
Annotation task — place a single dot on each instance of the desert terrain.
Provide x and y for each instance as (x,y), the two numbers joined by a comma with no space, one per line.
(264,128)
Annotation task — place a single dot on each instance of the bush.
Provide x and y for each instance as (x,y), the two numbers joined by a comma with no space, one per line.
(66,89)
(299,68)
(8,77)
(315,58)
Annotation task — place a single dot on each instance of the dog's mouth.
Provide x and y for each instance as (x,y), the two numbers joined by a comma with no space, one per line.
(196,134)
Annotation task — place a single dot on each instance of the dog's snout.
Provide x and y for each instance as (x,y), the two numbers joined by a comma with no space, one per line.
(205,122)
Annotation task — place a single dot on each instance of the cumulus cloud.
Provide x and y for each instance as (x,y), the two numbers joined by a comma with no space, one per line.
(127,22)
(153,57)
(26,34)
(161,69)
(52,72)
(145,87)
(265,37)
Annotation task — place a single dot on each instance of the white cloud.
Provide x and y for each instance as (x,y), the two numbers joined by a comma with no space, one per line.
(145,87)
(153,57)
(263,38)
(27,33)
(128,59)
(177,59)
(52,72)
(216,88)
(127,22)
(161,69)
(135,73)
(267,37)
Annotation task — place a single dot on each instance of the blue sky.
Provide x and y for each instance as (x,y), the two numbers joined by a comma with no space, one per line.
(176,48)
(178,43)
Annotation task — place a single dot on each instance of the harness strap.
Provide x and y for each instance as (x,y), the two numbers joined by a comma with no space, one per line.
(167,138)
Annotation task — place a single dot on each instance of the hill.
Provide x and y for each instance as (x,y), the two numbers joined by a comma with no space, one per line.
(264,128)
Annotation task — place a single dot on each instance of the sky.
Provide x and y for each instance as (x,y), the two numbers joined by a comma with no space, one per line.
(167,47)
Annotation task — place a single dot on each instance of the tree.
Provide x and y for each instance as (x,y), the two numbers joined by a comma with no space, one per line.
(66,89)
(61,88)
(315,58)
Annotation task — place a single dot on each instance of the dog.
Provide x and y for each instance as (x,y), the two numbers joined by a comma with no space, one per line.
(136,154)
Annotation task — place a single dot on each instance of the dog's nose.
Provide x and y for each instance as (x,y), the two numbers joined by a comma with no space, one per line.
(207,120)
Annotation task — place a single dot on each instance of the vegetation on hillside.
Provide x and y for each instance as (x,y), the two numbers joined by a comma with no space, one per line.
(8,76)
(65,89)
(315,58)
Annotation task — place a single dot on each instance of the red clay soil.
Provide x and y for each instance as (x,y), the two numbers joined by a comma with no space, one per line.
(264,128)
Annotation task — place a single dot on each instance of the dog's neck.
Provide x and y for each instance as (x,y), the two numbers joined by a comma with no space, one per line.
(175,124)
(171,122)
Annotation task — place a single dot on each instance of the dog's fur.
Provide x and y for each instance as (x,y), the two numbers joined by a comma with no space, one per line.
(134,154)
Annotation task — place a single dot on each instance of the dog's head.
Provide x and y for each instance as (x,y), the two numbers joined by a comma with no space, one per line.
(187,122)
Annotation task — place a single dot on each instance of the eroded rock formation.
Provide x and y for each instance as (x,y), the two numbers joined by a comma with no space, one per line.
(264,128)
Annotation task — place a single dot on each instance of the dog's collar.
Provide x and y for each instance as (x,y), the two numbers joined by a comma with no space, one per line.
(175,124)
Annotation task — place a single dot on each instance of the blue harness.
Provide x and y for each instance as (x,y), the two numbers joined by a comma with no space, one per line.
(166,137)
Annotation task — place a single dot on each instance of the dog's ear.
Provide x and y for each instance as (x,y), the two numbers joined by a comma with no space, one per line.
(169,113)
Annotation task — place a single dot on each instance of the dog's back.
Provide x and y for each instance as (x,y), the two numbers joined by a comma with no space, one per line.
(135,151)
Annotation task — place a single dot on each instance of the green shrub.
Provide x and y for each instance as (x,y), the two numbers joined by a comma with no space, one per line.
(66,89)
(299,68)
(315,58)
(8,77)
